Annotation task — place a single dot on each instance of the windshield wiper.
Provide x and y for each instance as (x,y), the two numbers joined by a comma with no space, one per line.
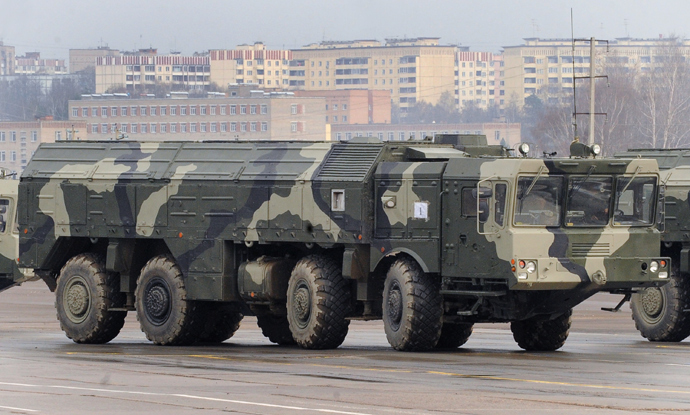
(531,185)
(579,185)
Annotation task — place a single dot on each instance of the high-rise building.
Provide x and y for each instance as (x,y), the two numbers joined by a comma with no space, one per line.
(479,79)
(32,64)
(145,68)
(7,56)
(354,106)
(80,59)
(547,68)
(250,64)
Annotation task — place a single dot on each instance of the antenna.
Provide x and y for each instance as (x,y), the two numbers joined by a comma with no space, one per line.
(572,36)
(535,28)
(625,23)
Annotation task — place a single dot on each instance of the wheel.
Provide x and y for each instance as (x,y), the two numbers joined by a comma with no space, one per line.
(537,335)
(412,307)
(220,322)
(163,311)
(85,294)
(318,300)
(454,335)
(659,313)
(275,328)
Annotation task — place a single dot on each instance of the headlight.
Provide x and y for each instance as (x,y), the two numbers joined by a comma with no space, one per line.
(531,267)
(654,266)
(596,149)
(524,149)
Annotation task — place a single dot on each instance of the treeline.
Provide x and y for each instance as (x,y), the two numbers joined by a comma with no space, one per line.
(25,98)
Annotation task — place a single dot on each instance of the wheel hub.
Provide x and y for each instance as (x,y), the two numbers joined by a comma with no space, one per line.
(78,301)
(157,303)
(652,301)
(302,304)
(395,306)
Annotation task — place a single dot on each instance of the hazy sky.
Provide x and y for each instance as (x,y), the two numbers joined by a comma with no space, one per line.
(52,27)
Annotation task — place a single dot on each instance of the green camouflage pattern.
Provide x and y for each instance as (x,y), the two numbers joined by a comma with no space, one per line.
(217,205)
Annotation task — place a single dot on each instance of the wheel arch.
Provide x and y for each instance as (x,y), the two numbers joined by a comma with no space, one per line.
(385,262)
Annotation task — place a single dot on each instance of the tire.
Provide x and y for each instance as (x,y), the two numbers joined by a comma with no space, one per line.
(84,296)
(537,335)
(412,307)
(454,335)
(163,311)
(318,301)
(220,322)
(276,329)
(659,313)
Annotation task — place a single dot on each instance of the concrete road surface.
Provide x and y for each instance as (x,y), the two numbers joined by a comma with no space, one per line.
(604,367)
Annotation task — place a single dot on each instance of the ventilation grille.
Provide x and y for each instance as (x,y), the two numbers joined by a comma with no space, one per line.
(591,250)
(349,162)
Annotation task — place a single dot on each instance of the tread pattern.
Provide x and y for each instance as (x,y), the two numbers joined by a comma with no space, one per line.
(184,324)
(454,335)
(220,322)
(674,324)
(275,328)
(327,327)
(421,326)
(542,335)
(104,325)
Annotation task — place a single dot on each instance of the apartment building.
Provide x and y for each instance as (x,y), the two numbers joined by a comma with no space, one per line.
(547,68)
(7,55)
(242,114)
(251,64)
(354,106)
(19,140)
(80,59)
(413,70)
(32,64)
(479,79)
(506,134)
(134,71)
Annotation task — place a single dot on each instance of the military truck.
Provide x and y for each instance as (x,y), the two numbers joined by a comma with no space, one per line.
(311,235)
(663,313)
(10,274)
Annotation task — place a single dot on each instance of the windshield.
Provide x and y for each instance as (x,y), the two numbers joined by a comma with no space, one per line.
(635,201)
(589,200)
(538,201)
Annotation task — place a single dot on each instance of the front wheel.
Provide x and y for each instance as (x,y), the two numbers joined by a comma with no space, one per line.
(221,321)
(412,307)
(85,295)
(276,328)
(165,314)
(318,301)
(539,335)
(454,335)
(659,313)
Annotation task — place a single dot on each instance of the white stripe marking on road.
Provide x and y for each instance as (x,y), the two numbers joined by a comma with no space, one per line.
(11,408)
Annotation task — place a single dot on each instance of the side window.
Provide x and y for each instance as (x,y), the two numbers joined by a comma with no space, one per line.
(500,191)
(469,202)
(4,212)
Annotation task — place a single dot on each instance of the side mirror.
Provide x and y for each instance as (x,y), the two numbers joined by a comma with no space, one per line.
(483,193)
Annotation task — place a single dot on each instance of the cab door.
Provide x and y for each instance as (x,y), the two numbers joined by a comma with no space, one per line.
(9,237)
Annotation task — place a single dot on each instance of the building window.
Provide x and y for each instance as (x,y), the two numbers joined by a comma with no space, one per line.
(264,109)
(34,136)
(183,127)
(222,110)
(252,126)
(153,110)
(58,135)
(143,128)
(183,110)
(335,118)
(202,110)
(2,136)
(94,128)
(133,111)
(173,110)
(2,156)
(264,126)
(243,126)
(113,111)
(173,128)
(252,109)
(344,118)
(233,126)
(214,127)
(243,109)
(293,127)
(344,107)
(104,111)
(123,111)
(75,112)
(142,111)
(94,112)
(13,155)
(223,126)
(202,127)
(293,109)
(335,107)
(192,110)
(163,110)
(192,127)
(84,112)
(153,128)
(123,128)
(233,109)
(213,110)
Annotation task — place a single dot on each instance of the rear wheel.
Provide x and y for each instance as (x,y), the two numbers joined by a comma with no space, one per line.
(85,295)
(275,328)
(454,335)
(318,300)
(539,335)
(412,307)
(220,322)
(165,314)
(659,313)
